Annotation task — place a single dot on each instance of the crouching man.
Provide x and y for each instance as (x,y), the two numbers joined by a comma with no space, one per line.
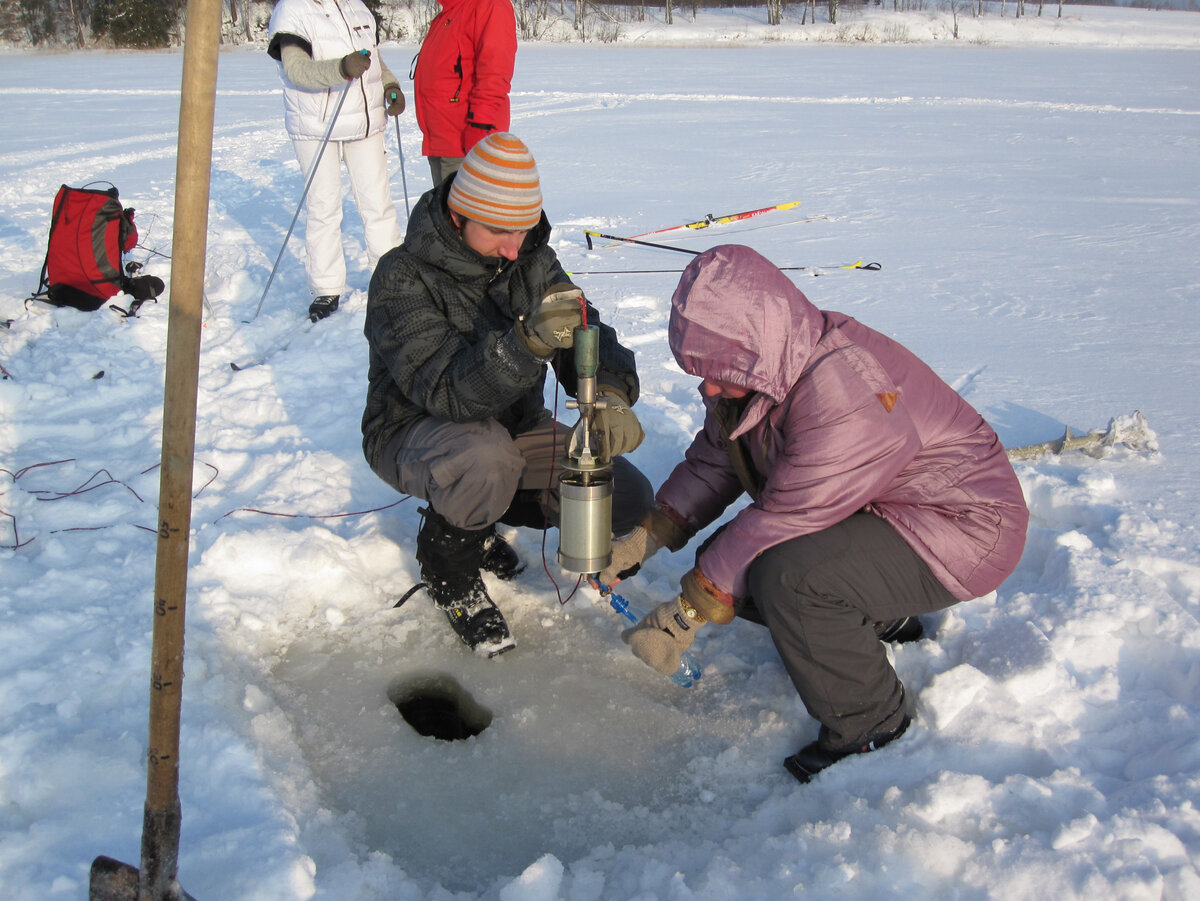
(463,320)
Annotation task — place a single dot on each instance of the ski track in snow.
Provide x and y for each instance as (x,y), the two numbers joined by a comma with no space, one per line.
(535,103)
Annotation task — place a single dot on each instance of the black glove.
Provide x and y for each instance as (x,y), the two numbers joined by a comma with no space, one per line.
(356,63)
(394,97)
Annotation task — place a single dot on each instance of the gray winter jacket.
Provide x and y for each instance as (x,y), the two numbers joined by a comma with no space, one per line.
(440,330)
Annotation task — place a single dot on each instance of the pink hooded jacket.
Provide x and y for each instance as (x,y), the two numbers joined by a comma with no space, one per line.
(841,419)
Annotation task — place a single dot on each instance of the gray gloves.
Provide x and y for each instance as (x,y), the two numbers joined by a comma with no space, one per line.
(617,422)
(660,639)
(356,63)
(394,98)
(615,429)
(628,554)
(552,323)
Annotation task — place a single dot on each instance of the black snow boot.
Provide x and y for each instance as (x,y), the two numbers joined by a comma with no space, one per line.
(450,560)
(323,306)
(898,631)
(500,559)
(813,758)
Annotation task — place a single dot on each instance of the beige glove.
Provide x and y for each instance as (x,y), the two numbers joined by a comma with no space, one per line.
(552,323)
(660,639)
(628,554)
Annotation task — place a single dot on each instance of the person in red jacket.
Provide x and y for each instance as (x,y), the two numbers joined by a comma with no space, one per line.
(462,78)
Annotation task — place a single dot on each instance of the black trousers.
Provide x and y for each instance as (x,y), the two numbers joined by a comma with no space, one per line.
(820,595)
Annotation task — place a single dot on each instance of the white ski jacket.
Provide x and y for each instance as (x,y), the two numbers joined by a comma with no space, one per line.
(328,30)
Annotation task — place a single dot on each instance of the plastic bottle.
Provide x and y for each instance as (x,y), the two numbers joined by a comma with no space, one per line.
(689,668)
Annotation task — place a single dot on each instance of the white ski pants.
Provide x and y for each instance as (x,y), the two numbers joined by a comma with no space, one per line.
(366,163)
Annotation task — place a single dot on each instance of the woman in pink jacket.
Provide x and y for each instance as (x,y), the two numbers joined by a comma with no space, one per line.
(877,494)
(462,78)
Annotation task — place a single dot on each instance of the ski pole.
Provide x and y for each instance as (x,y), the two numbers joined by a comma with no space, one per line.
(689,668)
(403,177)
(591,234)
(312,171)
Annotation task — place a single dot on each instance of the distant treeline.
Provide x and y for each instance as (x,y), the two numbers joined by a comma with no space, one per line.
(160,23)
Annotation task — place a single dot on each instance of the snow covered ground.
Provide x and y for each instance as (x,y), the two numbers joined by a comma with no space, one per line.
(1036,215)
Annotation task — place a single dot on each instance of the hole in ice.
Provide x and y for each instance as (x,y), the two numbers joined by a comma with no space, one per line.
(435,705)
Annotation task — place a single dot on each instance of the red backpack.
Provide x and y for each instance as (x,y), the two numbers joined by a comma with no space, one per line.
(89,233)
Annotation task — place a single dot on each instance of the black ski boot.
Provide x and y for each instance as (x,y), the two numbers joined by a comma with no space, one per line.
(500,559)
(899,631)
(814,757)
(450,560)
(323,307)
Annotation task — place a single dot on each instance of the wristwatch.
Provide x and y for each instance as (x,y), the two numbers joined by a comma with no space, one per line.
(691,612)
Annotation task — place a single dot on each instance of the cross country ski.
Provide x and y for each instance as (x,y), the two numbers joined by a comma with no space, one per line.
(710,219)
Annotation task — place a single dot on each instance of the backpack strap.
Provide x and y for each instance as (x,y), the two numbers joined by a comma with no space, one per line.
(41,292)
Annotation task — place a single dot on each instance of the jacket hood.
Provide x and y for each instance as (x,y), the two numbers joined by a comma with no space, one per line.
(736,318)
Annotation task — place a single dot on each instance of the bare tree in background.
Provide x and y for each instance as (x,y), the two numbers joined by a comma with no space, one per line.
(532,17)
(244,7)
(955,6)
(77,22)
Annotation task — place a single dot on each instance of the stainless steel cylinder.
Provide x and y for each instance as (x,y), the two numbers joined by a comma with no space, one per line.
(585,521)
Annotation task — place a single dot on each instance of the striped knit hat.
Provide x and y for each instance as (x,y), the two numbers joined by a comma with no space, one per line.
(498,184)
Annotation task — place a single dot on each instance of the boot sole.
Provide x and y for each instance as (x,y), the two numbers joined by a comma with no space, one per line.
(494,649)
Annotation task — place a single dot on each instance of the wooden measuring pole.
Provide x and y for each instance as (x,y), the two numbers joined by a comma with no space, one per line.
(160,832)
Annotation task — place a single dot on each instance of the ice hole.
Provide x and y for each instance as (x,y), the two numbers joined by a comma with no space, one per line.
(435,705)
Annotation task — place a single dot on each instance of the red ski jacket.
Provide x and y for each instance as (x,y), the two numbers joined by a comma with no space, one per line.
(463,75)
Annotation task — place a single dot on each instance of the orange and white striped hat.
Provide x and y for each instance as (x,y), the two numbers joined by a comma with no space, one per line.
(498,184)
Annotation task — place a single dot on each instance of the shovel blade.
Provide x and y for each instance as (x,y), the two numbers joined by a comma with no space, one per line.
(112,880)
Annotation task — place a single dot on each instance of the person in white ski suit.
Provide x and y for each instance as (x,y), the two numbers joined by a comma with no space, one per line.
(320,46)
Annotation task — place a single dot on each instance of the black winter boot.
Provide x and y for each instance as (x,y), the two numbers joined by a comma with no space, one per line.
(813,758)
(500,559)
(899,631)
(323,306)
(450,560)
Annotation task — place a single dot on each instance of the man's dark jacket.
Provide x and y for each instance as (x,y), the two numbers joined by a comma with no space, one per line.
(439,325)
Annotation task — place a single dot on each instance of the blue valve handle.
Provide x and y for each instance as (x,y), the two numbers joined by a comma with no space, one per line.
(689,667)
